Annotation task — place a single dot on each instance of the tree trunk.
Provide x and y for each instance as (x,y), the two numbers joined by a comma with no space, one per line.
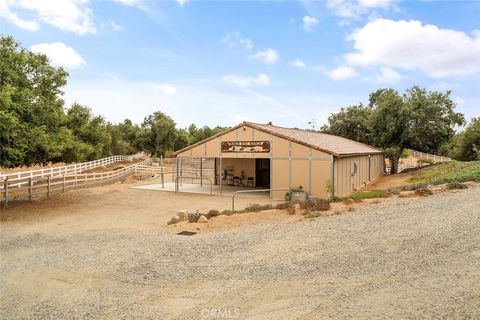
(394,159)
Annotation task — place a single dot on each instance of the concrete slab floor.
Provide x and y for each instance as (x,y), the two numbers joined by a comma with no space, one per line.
(205,189)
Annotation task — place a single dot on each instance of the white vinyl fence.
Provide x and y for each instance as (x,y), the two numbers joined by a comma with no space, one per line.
(26,185)
(432,157)
(422,155)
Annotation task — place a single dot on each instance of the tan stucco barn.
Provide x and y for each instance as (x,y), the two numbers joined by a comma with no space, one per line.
(254,155)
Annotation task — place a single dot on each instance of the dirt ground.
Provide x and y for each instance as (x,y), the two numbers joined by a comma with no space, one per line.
(389,181)
(107,253)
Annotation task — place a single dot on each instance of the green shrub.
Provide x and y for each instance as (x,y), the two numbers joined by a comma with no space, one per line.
(369,195)
(227,212)
(456,185)
(212,213)
(255,207)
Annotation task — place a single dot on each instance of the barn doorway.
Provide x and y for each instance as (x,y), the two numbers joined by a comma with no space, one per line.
(262,173)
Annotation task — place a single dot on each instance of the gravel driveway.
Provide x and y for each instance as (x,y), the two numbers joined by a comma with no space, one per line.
(411,258)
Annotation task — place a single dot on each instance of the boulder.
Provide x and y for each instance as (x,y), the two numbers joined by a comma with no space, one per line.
(202,219)
(193,216)
(174,219)
(404,194)
(182,214)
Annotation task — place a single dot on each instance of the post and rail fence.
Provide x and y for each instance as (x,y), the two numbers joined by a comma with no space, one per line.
(422,155)
(25,185)
(428,156)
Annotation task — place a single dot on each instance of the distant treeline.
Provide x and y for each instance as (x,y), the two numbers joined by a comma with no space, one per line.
(36,128)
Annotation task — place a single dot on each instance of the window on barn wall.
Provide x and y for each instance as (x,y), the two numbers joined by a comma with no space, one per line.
(354,168)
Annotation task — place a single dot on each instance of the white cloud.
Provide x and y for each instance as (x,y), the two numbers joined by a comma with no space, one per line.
(243,82)
(345,8)
(128,2)
(68,15)
(6,13)
(297,63)
(309,23)
(236,39)
(115,26)
(168,89)
(375,3)
(268,56)
(352,9)
(388,75)
(60,54)
(410,45)
(342,73)
(182,2)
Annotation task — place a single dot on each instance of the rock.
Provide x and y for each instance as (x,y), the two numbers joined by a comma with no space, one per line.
(174,219)
(182,214)
(404,194)
(193,216)
(202,219)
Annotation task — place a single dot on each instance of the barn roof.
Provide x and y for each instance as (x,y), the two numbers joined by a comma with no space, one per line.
(335,145)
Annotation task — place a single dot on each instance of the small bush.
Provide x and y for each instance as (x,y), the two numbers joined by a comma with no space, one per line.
(369,195)
(424,192)
(283,206)
(254,207)
(347,201)
(456,185)
(316,205)
(227,212)
(267,207)
(351,209)
(212,213)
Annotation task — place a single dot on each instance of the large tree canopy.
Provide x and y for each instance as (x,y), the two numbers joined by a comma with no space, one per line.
(418,119)
(465,145)
(31,109)
(34,127)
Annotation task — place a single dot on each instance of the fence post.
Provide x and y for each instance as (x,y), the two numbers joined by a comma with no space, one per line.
(75,184)
(48,186)
(5,190)
(163,178)
(30,188)
(63,187)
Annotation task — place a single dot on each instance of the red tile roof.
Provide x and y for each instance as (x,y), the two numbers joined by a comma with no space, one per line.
(335,145)
(339,146)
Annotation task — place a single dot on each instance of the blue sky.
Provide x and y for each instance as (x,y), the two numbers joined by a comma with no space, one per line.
(222,62)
